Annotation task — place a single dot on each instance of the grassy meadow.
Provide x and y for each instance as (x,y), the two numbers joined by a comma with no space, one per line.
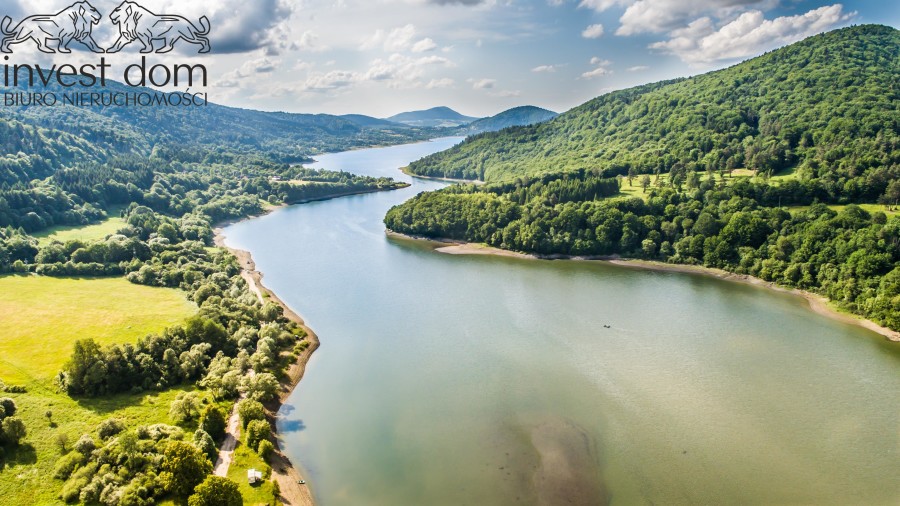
(99,230)
(43,317)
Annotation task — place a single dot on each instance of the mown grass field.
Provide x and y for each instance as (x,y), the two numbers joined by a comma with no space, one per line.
(43,317)
(99,230)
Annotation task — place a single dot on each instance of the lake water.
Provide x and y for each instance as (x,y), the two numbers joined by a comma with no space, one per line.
(493,381)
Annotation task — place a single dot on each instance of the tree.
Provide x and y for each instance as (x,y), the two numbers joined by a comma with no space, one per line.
(184,467)
(213,422)
(7,407)
(12,430)
(186,406)
(205,444)
(216,491)
(110,427)
(891,195)
(265,449)
(261,387)
(250,410)
(258,430)
(645,182)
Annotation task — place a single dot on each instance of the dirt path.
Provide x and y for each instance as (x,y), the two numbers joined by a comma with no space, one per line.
(226,452)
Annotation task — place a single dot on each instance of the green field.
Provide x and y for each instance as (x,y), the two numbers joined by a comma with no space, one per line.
(43,317)
(871,208)
(99,230)
(244,460)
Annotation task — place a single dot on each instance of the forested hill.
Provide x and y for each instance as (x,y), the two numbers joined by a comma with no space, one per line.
(36,141)
(517,116)
(828,105)
(816,122)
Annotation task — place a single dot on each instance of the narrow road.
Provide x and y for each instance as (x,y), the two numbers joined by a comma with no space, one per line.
(226,452)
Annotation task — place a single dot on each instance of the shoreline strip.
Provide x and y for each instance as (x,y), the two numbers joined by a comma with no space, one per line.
(283,471)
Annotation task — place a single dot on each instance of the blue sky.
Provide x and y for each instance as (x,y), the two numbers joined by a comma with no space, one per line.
(380,57)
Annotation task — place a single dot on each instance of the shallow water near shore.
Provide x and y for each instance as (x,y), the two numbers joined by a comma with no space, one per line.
(447,379)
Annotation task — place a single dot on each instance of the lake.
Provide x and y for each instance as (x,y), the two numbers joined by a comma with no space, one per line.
(484,380)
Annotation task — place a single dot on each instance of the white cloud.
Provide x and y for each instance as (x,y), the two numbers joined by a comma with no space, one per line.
(424,45)
(601,5)
(309,41)
(749,34)
(439,83)
(597,72)
(638,68)
(238,25)
(397,39)
(655,16)
(400,71)
(250,68)
(482,84)
(545,68)
(328,81)
(593,32)
(600,69)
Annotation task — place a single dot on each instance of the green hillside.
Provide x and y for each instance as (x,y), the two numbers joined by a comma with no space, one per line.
(650,173)
(827,105)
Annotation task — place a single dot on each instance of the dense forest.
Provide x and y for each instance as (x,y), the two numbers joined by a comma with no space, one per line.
(815,123)
(826,108)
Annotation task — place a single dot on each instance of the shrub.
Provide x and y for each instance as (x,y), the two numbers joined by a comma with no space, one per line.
(110,427)
(265,449)
(12,430)
(216,491)
(67,464)
(204,442)
(72,489)
(258,430)
(85,445)
(7,407)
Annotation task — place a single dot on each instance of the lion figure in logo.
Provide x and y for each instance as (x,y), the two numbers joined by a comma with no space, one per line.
(138,23)
(74,23)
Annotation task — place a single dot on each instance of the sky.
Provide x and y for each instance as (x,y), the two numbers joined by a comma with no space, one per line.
(479,57)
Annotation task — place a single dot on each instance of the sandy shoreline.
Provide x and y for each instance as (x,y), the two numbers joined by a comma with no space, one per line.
(283,471)
(406,171)
(817,303)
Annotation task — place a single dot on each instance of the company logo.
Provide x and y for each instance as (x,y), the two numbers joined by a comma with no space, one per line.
(85,84)
(138,23)
(74,23)
(53,33)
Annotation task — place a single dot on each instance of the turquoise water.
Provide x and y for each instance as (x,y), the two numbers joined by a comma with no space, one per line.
(484,380)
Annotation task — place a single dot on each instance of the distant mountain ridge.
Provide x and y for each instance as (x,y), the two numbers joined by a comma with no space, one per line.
(371,122)
(517,116)
(62,135)
(434,117)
